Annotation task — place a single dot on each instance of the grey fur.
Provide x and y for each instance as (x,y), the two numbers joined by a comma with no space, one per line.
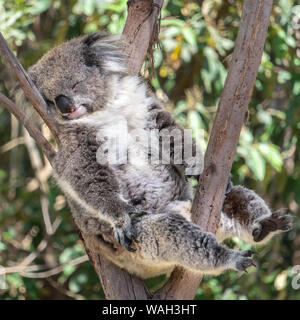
(150,203)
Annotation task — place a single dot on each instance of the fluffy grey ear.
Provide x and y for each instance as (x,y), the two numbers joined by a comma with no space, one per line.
(104,51)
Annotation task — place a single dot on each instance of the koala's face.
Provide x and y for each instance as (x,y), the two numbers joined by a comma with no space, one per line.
(72,76)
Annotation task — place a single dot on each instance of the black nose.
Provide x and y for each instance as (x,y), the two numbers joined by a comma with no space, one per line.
(64,104)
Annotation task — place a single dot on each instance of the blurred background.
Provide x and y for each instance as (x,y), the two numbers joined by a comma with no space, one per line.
(41,256)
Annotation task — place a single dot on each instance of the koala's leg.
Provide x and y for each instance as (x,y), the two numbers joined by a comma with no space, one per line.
(167,239)
(247,216)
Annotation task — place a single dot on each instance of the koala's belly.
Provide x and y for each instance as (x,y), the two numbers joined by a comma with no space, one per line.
(157,186)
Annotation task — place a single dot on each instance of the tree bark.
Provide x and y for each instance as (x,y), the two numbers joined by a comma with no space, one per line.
(140,31)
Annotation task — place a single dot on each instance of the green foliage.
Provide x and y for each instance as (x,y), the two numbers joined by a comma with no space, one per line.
(197,40)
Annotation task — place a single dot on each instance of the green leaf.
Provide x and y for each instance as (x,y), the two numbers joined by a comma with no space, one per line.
(172,22)
(68,270)
(190,35)
(77,282)
(38,6)
(2,246)
(74,286)
(14,279)
(213,72)
(256,163)
(271,153)
(2,175)
(181,107)
(246,137)
(70,253)
(284,76)
(264,117)
(296,88)
(194,120)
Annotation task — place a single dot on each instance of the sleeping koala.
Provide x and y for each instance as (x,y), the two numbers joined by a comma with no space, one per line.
(138,210)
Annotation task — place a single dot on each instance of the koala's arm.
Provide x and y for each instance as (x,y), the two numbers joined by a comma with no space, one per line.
(170,239)
(92,191)
(192,157)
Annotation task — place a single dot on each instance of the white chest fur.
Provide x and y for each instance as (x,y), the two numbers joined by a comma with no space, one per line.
(121,123)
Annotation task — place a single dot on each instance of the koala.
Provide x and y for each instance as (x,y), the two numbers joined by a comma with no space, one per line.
(139,212)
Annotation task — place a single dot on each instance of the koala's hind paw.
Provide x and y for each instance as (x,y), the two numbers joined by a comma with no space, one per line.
(244,261)
(276,223)
(125,235)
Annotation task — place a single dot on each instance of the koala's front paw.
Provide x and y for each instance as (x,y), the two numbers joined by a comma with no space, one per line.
(125,233)
(243,260)
(276,223)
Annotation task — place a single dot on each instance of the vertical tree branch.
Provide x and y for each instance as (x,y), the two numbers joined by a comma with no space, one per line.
(140,31)
(225,134)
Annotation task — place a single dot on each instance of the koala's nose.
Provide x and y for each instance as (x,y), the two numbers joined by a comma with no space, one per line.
(64,104)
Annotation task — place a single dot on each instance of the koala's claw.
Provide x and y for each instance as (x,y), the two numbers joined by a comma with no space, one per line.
(134,235)
(124,238)
(276,222)
(125,235)
(243,263)
(244,260)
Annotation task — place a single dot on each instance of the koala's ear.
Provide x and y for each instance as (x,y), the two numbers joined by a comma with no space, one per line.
(90,39)
(103,51)
(89,53)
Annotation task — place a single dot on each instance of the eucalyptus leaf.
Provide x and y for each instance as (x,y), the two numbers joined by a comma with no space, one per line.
(256,163)
(271,153)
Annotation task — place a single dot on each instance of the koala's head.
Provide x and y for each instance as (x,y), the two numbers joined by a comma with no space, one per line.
(71,77)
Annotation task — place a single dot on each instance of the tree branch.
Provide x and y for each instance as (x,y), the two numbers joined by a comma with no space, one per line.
(35,133)
(27,85)
(141,31)
(225,134)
